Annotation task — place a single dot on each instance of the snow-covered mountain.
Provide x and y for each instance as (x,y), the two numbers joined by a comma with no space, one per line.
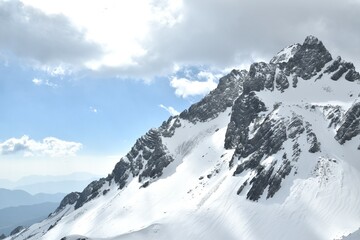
(271,153)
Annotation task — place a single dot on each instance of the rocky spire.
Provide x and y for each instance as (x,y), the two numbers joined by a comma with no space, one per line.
(309,59)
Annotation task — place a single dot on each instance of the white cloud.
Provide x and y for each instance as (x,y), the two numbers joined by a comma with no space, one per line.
(185,88)
(93,110)
(50,146)
(146,38)
(43,39)
(120,27)
(170,109)
(39,82)
(203,83)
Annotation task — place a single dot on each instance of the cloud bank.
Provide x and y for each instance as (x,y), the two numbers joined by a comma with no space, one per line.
(43,39)
(156,35)
(50,146)
(233,32)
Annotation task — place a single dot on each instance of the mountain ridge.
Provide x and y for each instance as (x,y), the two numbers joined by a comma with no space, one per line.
(276,140)
(13,198)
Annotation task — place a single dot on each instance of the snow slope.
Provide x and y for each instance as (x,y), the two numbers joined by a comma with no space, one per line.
(259,162)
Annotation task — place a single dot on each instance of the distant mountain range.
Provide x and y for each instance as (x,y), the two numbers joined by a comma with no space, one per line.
(32,198)
(12,217)
(50,184)
(14,198)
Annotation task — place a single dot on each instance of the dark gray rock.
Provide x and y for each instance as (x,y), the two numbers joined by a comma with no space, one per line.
(276,179)
(218,100)
(252,163)
(158,160)
(333,66)
(295,81)
(246,108)
(312,139)
(339,73)
(309,59)
(168,127)
(350,126)
(352,75)
(338,67)
(295,127)
(241,188)
(282,82)
(259,183)
(268,139)
(2,236)
(147,158)
(90,192)
(121,173)
(296,152)
(333,114)
(69,199)
(17,230)
(261,76)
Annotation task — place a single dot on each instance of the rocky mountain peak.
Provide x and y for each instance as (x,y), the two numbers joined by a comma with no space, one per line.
(218,100)
(311,40)
(309,59)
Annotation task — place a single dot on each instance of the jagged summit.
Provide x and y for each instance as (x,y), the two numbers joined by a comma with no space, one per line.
(271,153)
(312,40)
(217,100)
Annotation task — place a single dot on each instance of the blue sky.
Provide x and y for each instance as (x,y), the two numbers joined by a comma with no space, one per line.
(81,80)
(104,114)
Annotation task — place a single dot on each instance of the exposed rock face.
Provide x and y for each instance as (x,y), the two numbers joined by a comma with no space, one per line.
(282,82)
(267,141)
(146,160)
(309,59)
(350,126)
(218,100)
(312,139)
(154,154)
(339,67)
(168,127)
(333,114)
(69,199)
(245,110)
(269,137)
(90,192)
(302,61)
(296,127)
(261,76)
(17,230)
(121,173)
(2,236)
